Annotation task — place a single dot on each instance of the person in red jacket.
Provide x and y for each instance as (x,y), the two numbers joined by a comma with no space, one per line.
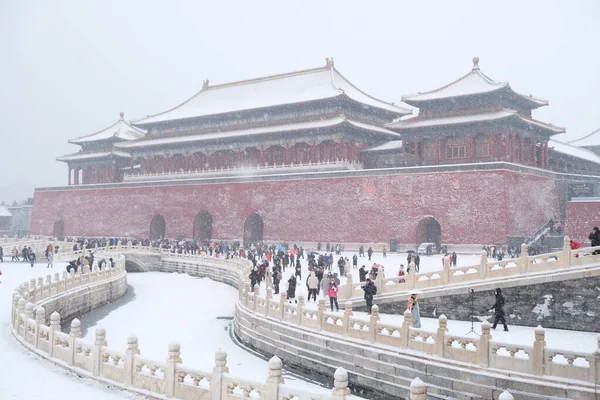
(332,292)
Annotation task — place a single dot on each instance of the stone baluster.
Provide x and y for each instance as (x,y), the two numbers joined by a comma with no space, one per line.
(129,362)
(418,390)
(440,339)
(405,334)
(538,357)
(506,396)
(483,350)
(566,255)
(373,320)
(340,390)
(219,392)
(49,281)
(268,300)
(282,306)
(28,312)
(483,265)
(40,287)
(15,307)
(523,262)
(171,369)
(446,270)
(300,311)
(321,314)
(256,294)
(54,327)
(40,319)
(346,318)
(411,279)
(73,336)
(99,343)
(275,378)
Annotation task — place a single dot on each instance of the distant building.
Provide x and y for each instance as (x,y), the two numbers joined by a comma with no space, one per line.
(308,156)
(5,219)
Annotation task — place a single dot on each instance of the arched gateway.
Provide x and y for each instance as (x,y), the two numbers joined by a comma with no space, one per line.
(158,227)
(253,229)
(58,231)
(203,226)
(430,231)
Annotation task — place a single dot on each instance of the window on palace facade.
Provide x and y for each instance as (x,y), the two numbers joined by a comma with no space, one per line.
(482,147)
(456,148)
(428,150)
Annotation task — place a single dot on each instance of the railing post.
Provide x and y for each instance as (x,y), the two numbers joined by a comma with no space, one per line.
(524,259)
(268,299)
(373,323)
(405,334)
(282,306)
(216,382)
(40,316)
(411,278)
(99,342)
(506,396)
(446,271)
(300,311)
(171,369)
(15,307)
(340,390)
(538,357)
(418,390)
(321,314)
(566,256)
(350,287)
(483,265)
(129,362)
(54,327)
(275,378)
(346,318)
(597,362)
(483,350)
(379,282)
(73,336)
(440,338)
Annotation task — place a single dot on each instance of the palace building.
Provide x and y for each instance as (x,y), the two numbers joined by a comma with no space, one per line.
(308,156)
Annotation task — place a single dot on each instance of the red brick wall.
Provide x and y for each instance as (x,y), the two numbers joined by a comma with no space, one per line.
(581,218)
(472,207)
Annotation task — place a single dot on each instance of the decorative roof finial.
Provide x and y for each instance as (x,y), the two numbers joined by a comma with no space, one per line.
(475,63)
(121,114)
(205,84)
(329,62)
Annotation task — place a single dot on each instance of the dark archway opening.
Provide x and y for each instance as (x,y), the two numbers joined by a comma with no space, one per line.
(430,231)
(157,227)
(203,226)
(58,231)
(253,230)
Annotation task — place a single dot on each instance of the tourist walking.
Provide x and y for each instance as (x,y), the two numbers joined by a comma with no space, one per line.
(370,291)
(1,254)
(341,266)
(595,239)
(312,283)
(370,253)
(362,274)
(354,261)
(498,307)
(401,273)
(413,307)
(31,256)
(291,289)
(332,291)
(50,257)
(384,252)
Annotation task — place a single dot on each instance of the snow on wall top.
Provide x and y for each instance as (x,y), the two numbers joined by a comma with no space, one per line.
(475,82)
(4,212)
(294,87)
(573,151)
(392,145)
(502,113)
(85,155)
(592,139)
(120,130)
(325,123)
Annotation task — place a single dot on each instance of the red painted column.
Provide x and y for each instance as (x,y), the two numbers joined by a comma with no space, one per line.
(436,151)
(534,146)
(547,156)
(416,147)
(76,177)
(492,146)
(521,148)
(69,176)
(341,150)
(469,149)
(287,155)
(506,145)
(262,157)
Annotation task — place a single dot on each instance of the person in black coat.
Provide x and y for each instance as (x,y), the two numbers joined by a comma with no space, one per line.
(291,289)
(362,274)
(370,291)
(253,279)
(276,280)
(595,239)
(498,308)
(370,253)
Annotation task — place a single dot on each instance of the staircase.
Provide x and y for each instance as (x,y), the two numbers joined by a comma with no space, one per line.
(545,239)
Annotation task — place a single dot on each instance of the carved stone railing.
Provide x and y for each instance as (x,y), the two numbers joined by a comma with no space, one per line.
(129,369)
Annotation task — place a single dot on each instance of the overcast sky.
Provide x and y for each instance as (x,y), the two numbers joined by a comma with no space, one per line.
(69,67)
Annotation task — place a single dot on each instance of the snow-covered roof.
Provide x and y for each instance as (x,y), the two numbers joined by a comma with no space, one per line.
(4,212)
(290,88)
(315,124)
(120,130)
(83,155)
(475,82)
(592,139)
(392,145)
(573,151)
(420,122)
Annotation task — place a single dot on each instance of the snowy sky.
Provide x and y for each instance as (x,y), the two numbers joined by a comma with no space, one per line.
(69,67)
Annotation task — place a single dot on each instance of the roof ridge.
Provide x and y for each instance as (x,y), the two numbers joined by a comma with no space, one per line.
(546,124)
(584,137)
(366,94)
(121,119)
(577,147)
(207,87)
(97,132)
